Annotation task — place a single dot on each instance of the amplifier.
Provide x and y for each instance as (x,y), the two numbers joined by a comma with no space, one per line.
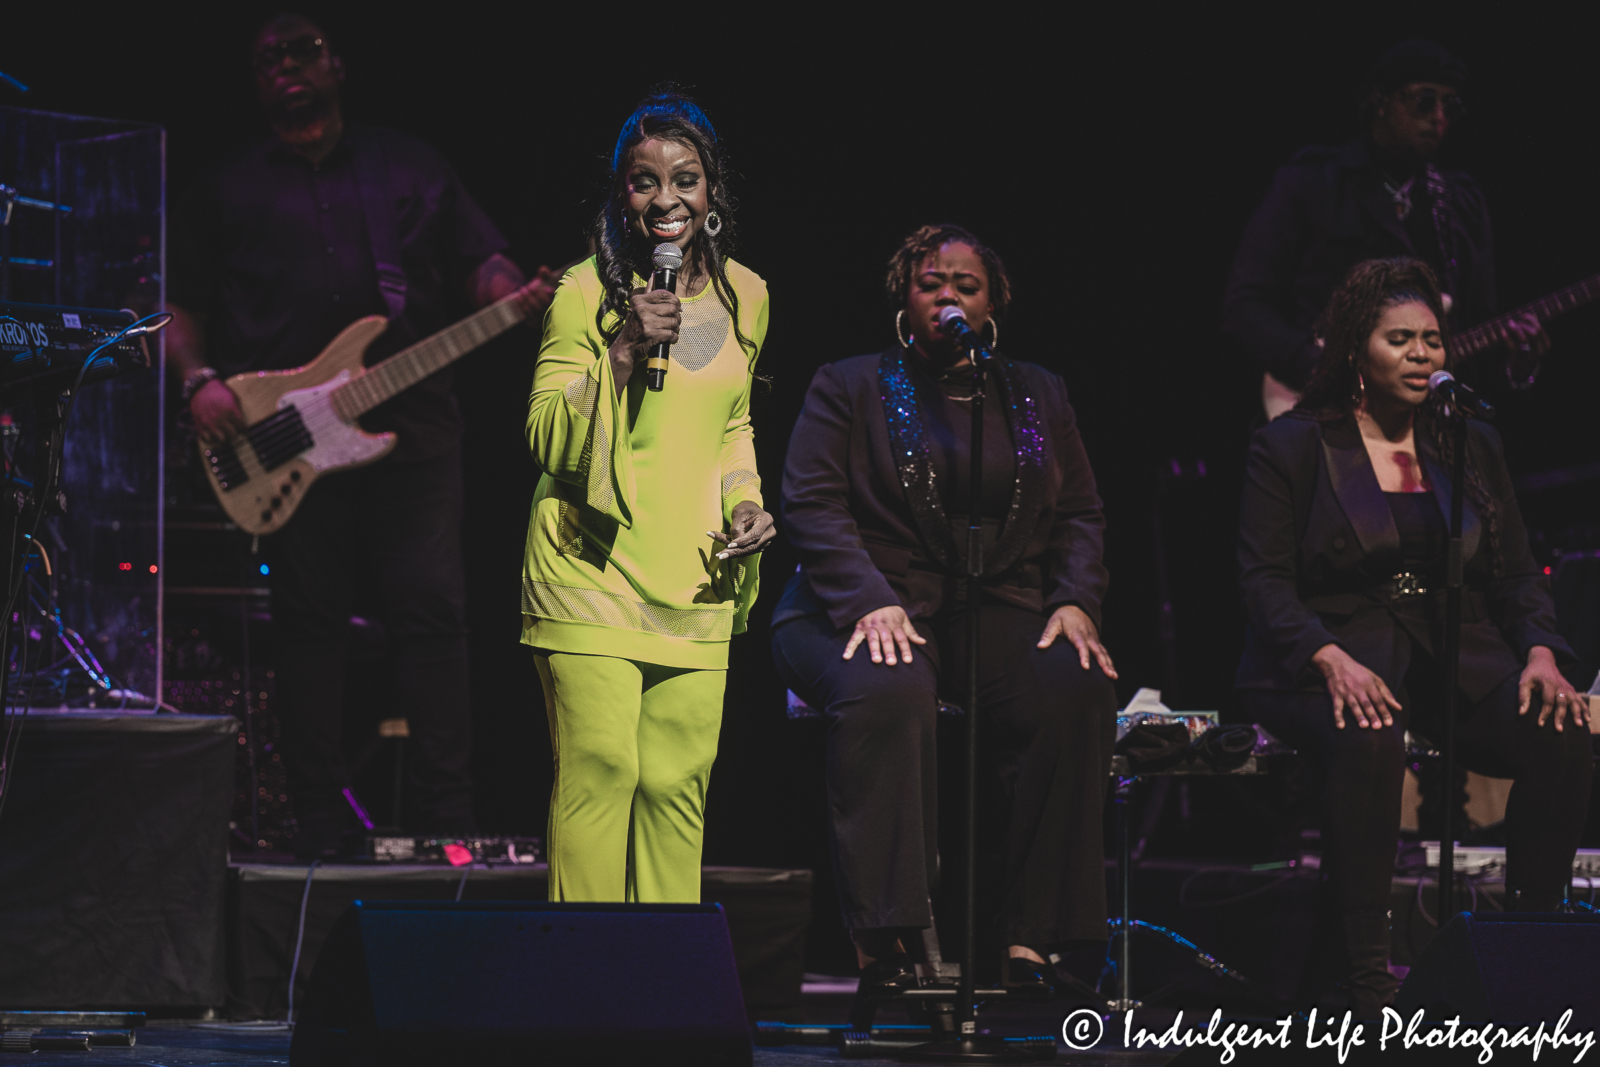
(456,851)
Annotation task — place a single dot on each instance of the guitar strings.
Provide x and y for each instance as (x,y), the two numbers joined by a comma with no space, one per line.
(293,430)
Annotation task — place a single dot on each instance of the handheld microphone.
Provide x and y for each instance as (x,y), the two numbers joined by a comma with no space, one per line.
(667,259)
(1443,384)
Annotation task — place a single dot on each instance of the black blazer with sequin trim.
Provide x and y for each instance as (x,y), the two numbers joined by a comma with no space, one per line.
(856,526)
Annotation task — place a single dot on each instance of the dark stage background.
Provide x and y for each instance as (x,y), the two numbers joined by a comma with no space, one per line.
(1111,160)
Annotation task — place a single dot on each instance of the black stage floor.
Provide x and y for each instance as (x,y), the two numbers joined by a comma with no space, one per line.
(179,1044)
(174,1043)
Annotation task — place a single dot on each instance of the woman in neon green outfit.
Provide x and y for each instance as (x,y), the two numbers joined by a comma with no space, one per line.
(641,557)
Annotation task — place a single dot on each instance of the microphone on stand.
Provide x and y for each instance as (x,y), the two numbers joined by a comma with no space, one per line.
(1443,384)
(667,259)
(953,321)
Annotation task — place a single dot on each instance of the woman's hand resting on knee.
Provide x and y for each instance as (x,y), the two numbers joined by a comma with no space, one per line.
(1073,623)
(882,630)
(1355,687)
(1556,694)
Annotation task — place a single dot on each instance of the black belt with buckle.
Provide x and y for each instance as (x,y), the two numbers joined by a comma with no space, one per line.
(1405,585)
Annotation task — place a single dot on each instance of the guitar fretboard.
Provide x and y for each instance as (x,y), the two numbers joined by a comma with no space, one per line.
(408,367)
(1557,303)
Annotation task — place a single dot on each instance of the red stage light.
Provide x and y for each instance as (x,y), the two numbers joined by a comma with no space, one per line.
(152,568)
(124,566)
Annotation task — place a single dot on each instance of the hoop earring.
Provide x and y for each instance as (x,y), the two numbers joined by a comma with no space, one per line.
(713,224)
(899,324)
(1361,389)
(994,334)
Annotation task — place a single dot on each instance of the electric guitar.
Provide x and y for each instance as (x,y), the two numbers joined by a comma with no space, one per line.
(301,423)
(1276,398)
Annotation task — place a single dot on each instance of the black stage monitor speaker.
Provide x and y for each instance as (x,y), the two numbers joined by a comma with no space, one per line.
(1510,968)
(412,982)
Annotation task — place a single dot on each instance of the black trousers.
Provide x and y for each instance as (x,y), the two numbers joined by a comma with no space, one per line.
(1363,771)
(1049,726)
(389,534)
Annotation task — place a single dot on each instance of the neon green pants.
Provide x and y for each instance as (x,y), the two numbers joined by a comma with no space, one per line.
(634,743)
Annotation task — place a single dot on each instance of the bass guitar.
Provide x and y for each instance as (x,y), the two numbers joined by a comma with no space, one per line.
(1277,398)
(301,424)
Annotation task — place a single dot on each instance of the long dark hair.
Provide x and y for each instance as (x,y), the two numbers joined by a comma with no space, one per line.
(620,254)
(1345,327)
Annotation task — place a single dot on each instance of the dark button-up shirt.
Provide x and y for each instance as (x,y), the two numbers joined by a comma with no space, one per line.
(272,253)
(1327,211)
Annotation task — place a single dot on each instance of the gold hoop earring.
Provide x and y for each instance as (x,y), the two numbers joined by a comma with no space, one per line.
(899,325)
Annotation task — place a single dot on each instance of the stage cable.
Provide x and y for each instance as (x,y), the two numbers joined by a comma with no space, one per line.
(1183,890)
(300,935)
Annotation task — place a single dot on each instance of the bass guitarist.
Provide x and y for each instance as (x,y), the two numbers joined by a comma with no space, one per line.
(1380,196)
(274,252)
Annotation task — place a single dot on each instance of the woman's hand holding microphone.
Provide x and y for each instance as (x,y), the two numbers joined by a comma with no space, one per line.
(653,318)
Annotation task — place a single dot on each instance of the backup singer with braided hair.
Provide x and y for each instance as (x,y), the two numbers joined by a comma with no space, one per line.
(873,627)
(1342,552)
(641,553)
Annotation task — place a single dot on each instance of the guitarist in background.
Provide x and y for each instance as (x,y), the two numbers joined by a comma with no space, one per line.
(1377,197)
(274,252)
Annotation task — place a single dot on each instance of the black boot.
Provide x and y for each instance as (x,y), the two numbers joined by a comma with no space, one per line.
(322,824)
(1367,980)
(1027,978)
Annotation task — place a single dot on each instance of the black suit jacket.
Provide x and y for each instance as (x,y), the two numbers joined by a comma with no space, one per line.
(853,525)
(1317,543)
(1327,211)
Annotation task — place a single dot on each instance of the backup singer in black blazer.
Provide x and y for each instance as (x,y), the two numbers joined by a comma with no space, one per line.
(1341,552)
(872,629)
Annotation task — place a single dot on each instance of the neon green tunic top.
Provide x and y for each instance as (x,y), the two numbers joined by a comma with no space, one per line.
(618,562)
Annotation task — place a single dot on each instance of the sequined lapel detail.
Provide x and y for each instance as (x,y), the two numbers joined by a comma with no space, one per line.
(908,439)
(1028,440)
(910,442)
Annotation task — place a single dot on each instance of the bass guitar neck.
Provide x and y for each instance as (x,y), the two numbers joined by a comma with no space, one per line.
(302,423)
(1498,329)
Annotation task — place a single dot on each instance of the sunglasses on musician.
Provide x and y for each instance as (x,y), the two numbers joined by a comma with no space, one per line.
(1424,102)
(303,50)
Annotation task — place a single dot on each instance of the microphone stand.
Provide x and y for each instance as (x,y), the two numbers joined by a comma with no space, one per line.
(969,1046)
(1451,660)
